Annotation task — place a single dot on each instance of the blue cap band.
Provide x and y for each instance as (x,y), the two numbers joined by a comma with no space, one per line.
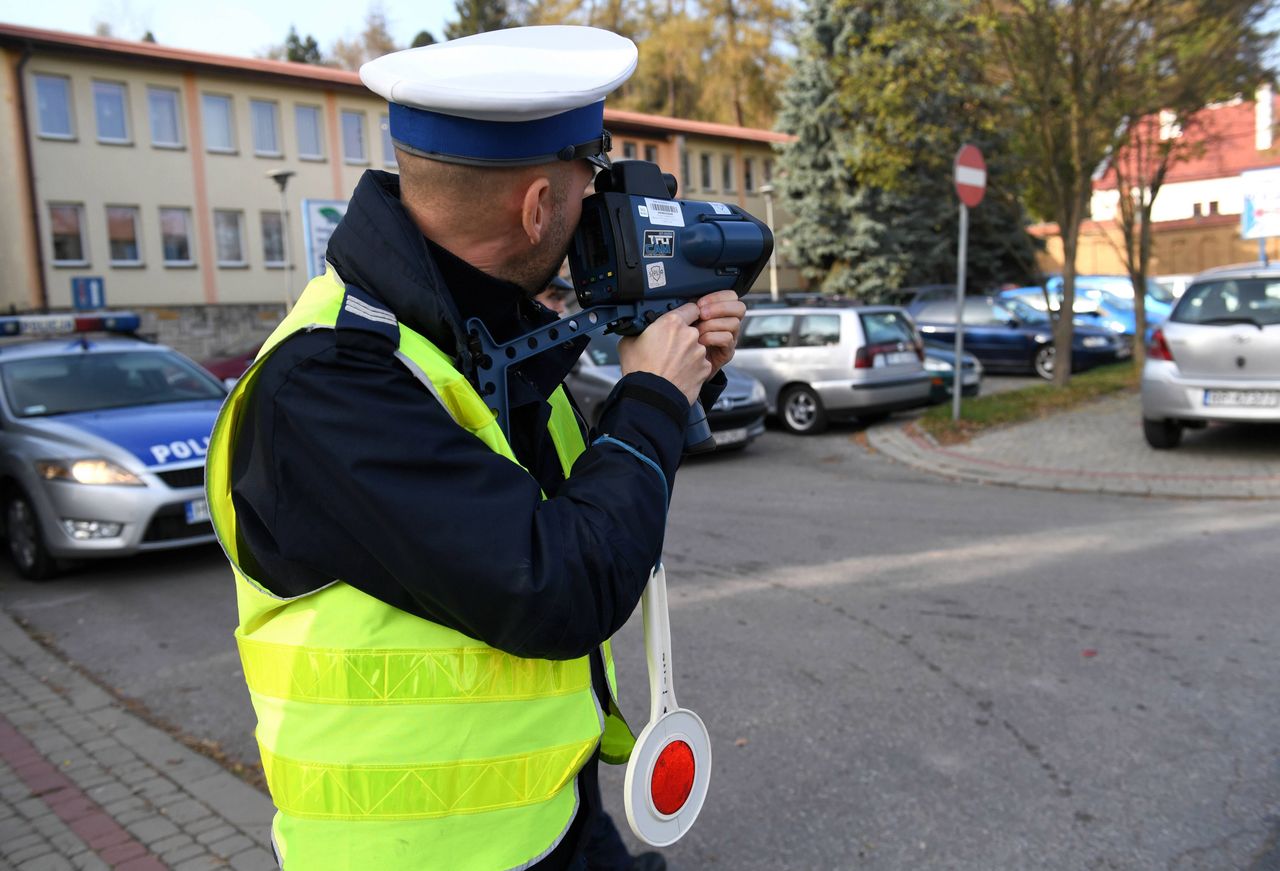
(467,140)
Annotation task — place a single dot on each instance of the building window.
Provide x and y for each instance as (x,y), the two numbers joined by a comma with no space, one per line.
(219,123)
(266,130)
(388,147)
(111,108)
(175,236)
(628,151)
(651,153)
(166,128)
(66,223)
(310,144)
(273,239)
(353,137)
(749,174)
(704,164)
(228,228)
(728,178)
(122,236)
(768,170)
(686,180)
(53,106)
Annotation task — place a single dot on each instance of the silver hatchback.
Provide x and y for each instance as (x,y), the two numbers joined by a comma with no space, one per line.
(821,363)
(1217,357)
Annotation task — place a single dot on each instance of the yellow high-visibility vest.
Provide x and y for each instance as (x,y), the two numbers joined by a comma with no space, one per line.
(389,741)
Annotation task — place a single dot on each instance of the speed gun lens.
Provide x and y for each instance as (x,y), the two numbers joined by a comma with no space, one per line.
(672,777)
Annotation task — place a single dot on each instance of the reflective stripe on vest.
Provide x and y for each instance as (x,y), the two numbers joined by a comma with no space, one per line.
(390,741)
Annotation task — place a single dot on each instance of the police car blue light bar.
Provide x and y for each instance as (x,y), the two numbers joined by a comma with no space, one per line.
(66,325)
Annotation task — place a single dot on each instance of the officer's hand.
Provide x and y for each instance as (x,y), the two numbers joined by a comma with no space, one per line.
(670,348)
(719,322)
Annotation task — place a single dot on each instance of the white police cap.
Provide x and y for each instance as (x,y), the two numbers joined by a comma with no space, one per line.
(522,96)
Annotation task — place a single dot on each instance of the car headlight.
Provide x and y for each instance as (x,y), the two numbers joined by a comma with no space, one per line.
(1096,341)
(933,364)
(757,392)
(1042,338)
(1117,326)
(87,472)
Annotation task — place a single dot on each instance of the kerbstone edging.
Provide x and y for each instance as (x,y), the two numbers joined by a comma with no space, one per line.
(1071,448)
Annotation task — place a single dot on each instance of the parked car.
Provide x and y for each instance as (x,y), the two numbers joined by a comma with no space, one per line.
(230,363)
(1217,358)
(1107,298)
(736,419)
(102,442)
(940,362)
(1010,336)
(819,364)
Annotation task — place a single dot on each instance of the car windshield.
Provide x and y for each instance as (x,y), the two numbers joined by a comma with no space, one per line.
(42,386)
(603,350)
(1231,301)
(1023,312)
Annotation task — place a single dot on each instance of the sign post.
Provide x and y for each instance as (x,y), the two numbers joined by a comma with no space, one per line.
(971,185)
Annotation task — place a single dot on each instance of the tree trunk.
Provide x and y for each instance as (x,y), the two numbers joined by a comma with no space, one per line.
(1064,329)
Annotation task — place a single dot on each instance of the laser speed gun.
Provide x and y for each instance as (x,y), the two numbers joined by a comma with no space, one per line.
(637,253)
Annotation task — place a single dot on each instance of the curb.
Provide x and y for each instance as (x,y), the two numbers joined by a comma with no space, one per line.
(85,784)
(905,444)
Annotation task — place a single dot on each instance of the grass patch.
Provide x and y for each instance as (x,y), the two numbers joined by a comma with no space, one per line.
(1000,409)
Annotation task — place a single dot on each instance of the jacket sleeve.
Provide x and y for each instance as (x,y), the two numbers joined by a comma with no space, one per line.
(373,479)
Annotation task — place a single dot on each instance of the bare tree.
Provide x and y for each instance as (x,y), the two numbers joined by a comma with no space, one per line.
(374,41)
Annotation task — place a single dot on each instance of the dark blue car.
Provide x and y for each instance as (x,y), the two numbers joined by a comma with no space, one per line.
(1011,336)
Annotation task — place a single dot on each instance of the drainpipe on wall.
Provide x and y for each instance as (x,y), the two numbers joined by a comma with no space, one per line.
(31,175)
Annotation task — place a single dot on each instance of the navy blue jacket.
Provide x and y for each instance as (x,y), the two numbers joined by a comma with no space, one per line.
(347,467)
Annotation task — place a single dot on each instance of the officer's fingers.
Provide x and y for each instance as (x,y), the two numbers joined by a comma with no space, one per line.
(687,314)
(716,325)
(717,340)
(720,304)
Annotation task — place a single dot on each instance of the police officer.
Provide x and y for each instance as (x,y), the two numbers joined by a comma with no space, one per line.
(424,604)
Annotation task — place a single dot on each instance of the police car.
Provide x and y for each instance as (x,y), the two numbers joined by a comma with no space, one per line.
(102,443)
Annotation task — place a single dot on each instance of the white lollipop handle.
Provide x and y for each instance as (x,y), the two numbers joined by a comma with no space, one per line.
(657,645)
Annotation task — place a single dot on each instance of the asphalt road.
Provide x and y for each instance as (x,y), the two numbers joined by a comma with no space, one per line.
(897,671)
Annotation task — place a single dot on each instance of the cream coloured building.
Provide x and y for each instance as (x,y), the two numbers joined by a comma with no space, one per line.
(148,167)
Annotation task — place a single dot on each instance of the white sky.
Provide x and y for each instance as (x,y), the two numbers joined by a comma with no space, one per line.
(239,27)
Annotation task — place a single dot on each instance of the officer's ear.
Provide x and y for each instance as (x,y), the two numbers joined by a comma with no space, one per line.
(536,208)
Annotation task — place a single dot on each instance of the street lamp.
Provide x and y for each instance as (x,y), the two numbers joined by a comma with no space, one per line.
(281,178)
(767,190)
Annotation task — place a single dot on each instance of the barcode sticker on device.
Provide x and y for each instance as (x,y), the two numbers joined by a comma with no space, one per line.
(665,213)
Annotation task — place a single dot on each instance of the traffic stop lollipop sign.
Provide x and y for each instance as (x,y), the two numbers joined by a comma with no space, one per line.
(670,767)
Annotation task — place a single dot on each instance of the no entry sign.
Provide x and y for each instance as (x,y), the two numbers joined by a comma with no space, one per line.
(971,175)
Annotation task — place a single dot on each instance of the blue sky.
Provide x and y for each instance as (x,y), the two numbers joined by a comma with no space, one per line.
(239,27)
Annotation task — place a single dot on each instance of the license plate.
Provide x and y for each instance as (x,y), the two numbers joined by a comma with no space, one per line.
(1243,398)
(729,436)
(197,511)
(970,380)
(893,359)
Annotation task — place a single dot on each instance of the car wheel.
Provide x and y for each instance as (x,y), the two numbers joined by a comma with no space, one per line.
(1044,362)
(802,411)
(26,545)
(1162,434)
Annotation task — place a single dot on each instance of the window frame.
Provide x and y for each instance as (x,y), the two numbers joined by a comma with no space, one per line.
(233,148)
(187,218)
(140,260)
(651,152)
(748,175)
(70,135)
(177,117)
(84,236)
(125,114)
(388,145)
(629,150)
(276,132)
(705,175)
(319,116)
(728,174)
(283,263)
(244,246)
(343,114)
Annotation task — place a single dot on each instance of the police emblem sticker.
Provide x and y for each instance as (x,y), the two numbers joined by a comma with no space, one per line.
(657,274)
(720,208)
(659,243)
(664,213)
(643,210)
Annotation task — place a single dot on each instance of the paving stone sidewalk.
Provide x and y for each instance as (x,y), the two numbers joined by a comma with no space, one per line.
(1099,448)
(84,784)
